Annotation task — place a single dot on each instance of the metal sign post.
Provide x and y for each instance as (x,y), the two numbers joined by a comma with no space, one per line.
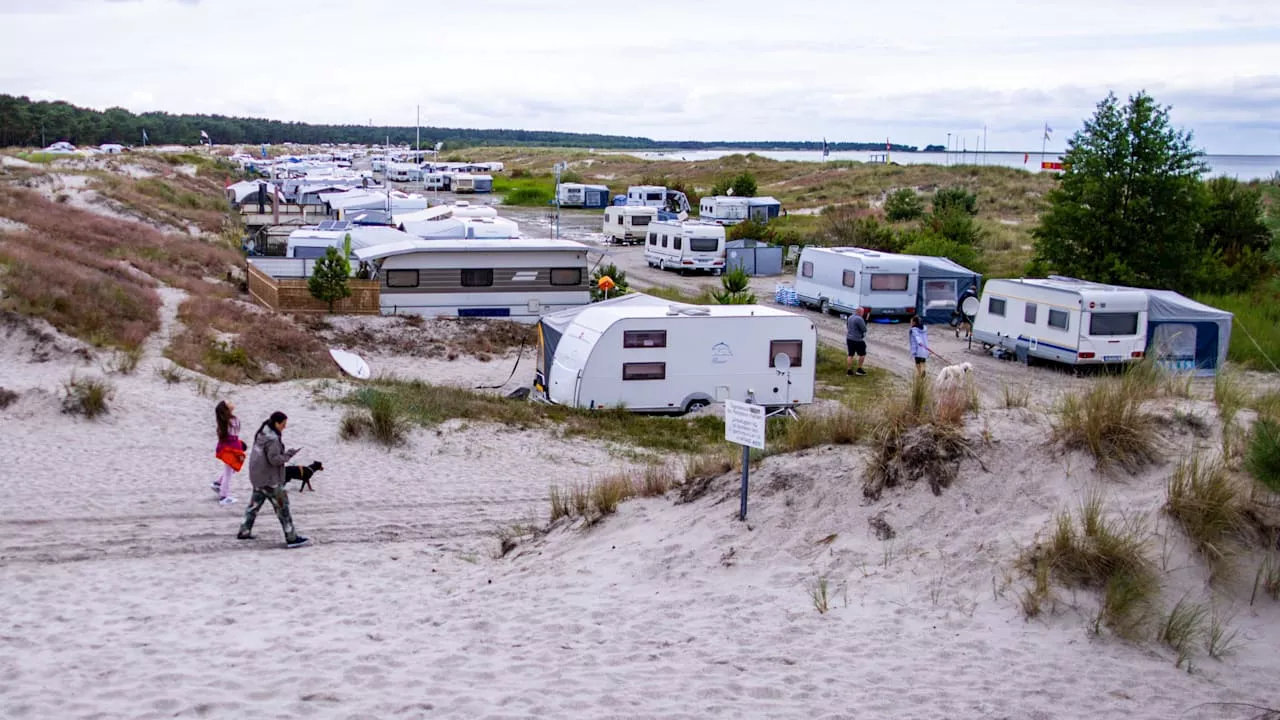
(744,424)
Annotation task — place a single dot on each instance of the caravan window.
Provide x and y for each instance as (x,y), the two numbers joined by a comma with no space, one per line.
(675,243)
(704,244)
(653,196)
(790,348)
(477,277)
(1058,319)
(995,306)
(402,278)
(664,241)
(884,282)
(1113,324)
(850,277)
(566,276)
(940,293)
(653,239)
(644,339)
(644,371)
(1029,314)
(639,220)
(310,253)
(806,269)
(619,219)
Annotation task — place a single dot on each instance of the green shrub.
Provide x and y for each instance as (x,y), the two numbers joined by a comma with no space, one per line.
(928,243)
(614,273)
(903,204)
(955,198)
(735,288)
(1109,423)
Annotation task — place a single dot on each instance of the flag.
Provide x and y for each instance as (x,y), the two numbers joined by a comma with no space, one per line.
(144,136)
(1047,132)
(1025,158)
(825,150)
(204,137)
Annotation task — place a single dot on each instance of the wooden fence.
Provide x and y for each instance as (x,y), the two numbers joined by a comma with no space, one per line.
(292,295)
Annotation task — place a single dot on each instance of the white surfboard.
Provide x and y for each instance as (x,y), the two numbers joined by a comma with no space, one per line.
(351,363)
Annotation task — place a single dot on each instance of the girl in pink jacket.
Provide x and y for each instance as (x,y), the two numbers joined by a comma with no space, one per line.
(230,450)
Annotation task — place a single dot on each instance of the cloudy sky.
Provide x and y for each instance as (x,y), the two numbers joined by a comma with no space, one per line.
(911,70)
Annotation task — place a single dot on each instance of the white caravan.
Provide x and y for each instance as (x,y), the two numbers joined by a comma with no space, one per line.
(646,354)
(654,196)
(397,172)
(517,279)
(627,224)
(464,183)
(685,246)
(723,209)
(843,279)
(1068,321)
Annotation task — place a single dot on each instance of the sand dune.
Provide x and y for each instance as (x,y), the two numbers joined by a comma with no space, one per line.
(126,594)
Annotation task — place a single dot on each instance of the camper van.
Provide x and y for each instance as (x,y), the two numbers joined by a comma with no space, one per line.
(723,209)
(1066,321)
(646,354)
(685,246)
(843,279)
(628,224)
(519,279)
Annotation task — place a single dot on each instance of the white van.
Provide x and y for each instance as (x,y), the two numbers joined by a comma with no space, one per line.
(843,279)
(645,354)
(626,224)
(1068,321)
(685,246)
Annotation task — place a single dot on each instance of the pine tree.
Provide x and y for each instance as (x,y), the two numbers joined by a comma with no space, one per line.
(328,281)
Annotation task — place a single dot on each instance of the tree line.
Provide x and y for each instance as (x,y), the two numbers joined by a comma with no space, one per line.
(37,124)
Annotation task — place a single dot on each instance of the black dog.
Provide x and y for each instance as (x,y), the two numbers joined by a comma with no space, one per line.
(303,473)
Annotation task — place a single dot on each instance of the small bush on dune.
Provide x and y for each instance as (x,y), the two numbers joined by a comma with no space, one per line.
(354,425)
(608,492)
(170,373)
(90,397)
(126,361)
(1209,508)
(1262,459)
(919,438)
(1182,628)
(7,397)
(656,481)
(1015,396)
(1109,423)
(381,418)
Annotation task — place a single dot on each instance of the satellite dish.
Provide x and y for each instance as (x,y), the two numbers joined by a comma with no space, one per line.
(970,306)
(782,361)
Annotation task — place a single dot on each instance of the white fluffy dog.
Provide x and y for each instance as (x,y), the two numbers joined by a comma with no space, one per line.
(953,375)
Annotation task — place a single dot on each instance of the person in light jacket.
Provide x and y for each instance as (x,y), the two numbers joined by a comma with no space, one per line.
(919,341)
(266,474)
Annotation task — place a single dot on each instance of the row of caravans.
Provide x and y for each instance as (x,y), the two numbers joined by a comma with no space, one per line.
(646,354)
(730,210)
(685,247)
(844,279)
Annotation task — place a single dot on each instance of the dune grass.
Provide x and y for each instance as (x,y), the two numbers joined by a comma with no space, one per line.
(601,496)
(262,347)
(1257,318)
(1210,508)
(1262,456)
(1182,628)
(1092,551)
(1108,422)
(537,191)
(89,397)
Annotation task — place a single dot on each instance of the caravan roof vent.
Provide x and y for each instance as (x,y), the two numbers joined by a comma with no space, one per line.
(690,310)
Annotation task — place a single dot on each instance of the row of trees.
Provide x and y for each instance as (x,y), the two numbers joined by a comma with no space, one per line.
(27,123)
(1132,209)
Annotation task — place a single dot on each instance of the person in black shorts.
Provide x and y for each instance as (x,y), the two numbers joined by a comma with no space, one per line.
(855,342)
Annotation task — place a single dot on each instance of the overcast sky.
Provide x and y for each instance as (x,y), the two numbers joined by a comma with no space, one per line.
(911,70)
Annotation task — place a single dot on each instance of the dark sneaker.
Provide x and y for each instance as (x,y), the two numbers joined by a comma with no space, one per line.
(860,372)
(297,542)
(848,372)
(244,536)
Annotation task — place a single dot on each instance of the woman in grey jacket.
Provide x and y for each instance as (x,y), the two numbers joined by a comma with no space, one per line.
(266,474)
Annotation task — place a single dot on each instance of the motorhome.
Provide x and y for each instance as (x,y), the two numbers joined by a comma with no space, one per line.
(646,354)
(519,279)
(628,224)
(685,247)
(1063,320)
(722,209)
(843,279)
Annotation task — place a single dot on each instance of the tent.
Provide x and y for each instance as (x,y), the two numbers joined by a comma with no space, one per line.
(1184,335)
(943,284)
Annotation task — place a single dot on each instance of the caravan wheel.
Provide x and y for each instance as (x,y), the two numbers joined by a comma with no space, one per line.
(695,405)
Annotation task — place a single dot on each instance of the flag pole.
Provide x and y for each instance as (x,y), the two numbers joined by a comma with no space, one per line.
(1044,140)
